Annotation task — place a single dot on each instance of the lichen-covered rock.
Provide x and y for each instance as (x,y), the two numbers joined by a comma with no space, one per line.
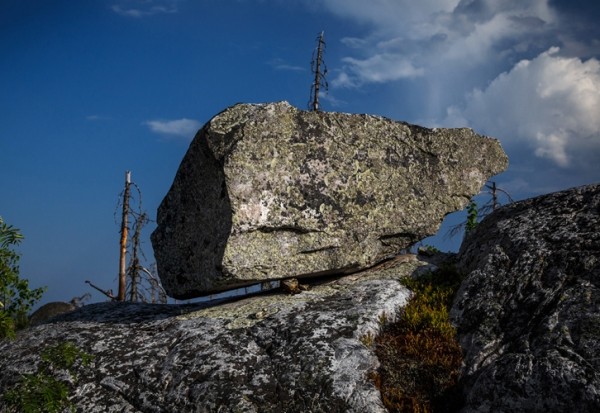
(528,313)
(267,191)
(274,352)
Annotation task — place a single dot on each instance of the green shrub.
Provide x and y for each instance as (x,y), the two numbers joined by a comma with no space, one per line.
(39,393)
(472,213)
(428,249)
(42,392)
(16,298)
(7,326)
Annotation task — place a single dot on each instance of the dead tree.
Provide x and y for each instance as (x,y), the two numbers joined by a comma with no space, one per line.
(123,242)
(107,293)
(493,191)
(144,285)
(135,282)
(319,70)
(134,266)
(149,288)
(141,285)
(80,301)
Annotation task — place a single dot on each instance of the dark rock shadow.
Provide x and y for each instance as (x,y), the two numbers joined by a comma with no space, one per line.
(134,313)
(194,223)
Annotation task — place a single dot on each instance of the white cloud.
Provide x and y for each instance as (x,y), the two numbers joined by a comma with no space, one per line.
(332,100)
(550,102)
(388,14)
(144,8)
(379,68)
(185,128)
(280,64)
(97,117)
(439,40)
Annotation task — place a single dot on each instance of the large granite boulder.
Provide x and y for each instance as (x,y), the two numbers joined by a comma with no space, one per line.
(267,191)
(273,352)
(528,313)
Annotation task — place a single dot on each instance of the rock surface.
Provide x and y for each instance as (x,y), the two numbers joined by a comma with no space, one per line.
(269,191)
(268,353)
(528,313)
(47,311)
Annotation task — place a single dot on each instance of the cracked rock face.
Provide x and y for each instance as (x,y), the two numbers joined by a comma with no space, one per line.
(268,353)
(528,313)
(267,191)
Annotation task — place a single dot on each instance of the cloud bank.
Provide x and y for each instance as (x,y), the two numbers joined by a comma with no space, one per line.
(550,102)
(436,37)
(523,71)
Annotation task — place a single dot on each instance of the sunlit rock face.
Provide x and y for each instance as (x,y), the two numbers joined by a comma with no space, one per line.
(528,313)
(269,353)
(267,191)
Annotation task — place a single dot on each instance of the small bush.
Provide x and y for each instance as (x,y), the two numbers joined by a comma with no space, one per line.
(42,392)
(16,298)
(7,326)
(39,393)
(419,354)
(64,356)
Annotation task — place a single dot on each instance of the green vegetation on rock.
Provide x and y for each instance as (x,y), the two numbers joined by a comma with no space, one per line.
(16,298)
(43,392)
(471,216)
(419,354)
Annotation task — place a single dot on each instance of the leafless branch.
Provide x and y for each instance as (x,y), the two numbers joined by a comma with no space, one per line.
(107,293)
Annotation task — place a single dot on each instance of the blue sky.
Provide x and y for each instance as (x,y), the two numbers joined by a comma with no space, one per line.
(92,88)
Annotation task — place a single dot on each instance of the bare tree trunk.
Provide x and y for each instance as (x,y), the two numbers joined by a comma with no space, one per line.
(494,196)
(134,267)
(133,275)
(124,230)
(319,72)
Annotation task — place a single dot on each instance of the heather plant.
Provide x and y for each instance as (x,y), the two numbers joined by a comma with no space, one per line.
(419,354)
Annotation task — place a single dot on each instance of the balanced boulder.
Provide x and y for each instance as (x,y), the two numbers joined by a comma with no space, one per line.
(267,191)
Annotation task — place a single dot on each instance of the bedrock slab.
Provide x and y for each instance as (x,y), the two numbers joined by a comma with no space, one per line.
(274,352)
